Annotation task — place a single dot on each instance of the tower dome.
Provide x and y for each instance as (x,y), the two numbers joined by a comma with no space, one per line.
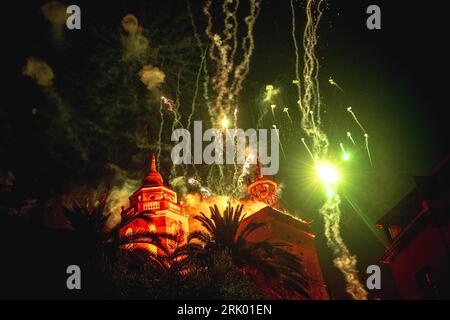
(153,178)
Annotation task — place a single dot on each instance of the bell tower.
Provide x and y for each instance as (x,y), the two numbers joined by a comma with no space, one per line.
(159,203)
(263,188)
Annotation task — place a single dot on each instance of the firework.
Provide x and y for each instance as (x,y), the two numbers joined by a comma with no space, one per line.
(310,104)
(307,149)
(366,136)
(349,135)
(270,93)
(333,83)
(286,111)
(345,155)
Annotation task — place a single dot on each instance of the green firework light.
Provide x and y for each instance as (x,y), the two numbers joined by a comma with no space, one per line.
(310,105)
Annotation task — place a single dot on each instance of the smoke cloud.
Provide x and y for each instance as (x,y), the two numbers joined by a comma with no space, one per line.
(39,71)
(43,74)
(55,13)
(152,77)
(130,24)
(135,44)
(194,203)
(119,194)
(118,198)
(343,260)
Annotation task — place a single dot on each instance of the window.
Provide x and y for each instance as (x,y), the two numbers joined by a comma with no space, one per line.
(174,228)
(129,232)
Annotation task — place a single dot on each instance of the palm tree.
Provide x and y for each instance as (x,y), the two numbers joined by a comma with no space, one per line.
(271,260)
(157,239)
(89,221)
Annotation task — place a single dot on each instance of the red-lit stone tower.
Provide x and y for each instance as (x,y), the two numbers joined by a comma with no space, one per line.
(263,188)
(158,202)
(282,227)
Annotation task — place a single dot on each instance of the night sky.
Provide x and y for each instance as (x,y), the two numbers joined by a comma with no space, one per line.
(97,124)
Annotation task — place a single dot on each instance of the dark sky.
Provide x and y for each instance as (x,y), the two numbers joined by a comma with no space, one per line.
(394,78)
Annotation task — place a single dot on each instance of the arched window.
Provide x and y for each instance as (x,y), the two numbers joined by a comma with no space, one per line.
(152,228)
(174,228)
(129,232)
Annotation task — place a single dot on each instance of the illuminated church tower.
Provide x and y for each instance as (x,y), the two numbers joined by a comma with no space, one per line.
(159,203)
(263,188)
(282,227)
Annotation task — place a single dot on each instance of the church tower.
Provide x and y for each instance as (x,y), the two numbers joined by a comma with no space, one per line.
(263,188)
(282,227)
(159,203)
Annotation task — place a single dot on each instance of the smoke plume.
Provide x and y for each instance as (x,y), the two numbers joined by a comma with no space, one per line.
(55,13)
(135,44)
(39,71)
(152,77)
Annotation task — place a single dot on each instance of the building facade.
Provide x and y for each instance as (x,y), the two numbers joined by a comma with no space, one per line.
(159,204)
(418,230)
(281,227)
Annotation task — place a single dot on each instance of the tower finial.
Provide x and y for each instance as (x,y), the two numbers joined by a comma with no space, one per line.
(153,165)
(153,177)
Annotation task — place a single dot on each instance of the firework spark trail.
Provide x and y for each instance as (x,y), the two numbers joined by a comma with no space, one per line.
(342,147)
(310,104)
(279,140)
(333,83)
(248,45)
(308,89)
(229,74)
(172,108)
(307,149)
(194,98)
(203,54)
(177,119)
(251,159)
(343,260)
(366,136)
(349,109)
(218,53)
(286,110)
(297,57)
(202,69)
(235,175)
(269,93)
(219,81)
(349,135)
(161,125)
(272,107)
(311,100)
(261,117)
